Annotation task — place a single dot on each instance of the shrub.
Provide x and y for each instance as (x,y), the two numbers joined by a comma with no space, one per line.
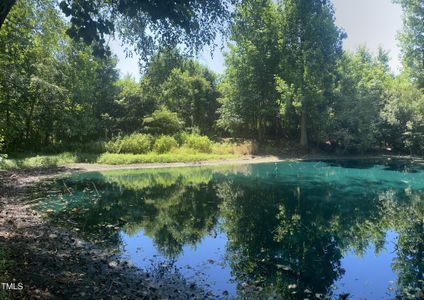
(114,145)
(94,147)
(164,144)
(116,159)
(197,142)
(135,143)
(163,121)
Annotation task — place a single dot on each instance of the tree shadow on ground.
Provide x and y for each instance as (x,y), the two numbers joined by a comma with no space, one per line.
(54,263)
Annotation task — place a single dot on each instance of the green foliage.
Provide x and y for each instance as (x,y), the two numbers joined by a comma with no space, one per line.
(52,90)
(135,143)
(130,106)
(114,145)
(197,142)
(68,158)
(312,44)
(402,124)
(294,43)
(285,79)
(181,156)
(412,39)
(164,143)
(1,146)
(163,121)
(183,86)
(248,102)
(93,147)
(36,161)
(143,143)
(354,121)
(147,25)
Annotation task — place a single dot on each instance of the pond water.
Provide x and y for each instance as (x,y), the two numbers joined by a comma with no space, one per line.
(291,230)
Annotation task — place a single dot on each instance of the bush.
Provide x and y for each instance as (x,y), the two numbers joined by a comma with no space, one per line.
(94,147)
(164,144)
(114,145)
(197,142)
(117,159)
(163,122)
(135,143)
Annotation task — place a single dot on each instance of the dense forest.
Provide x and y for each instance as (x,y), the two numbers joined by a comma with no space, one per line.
(287,79)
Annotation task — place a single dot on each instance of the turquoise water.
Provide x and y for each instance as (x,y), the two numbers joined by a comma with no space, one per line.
(291,230)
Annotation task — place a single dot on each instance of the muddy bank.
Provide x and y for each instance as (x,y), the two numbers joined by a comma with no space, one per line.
(53,263)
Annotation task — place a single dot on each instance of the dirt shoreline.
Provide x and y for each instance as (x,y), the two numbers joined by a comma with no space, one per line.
(53,263)
(248,159)
(228,161)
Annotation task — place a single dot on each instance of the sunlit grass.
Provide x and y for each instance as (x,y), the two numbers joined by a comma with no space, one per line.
(37,161)
(182,153)
(117,159)
(68,158)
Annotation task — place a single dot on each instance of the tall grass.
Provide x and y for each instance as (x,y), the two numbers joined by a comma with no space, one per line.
(135,148)
(34,161)
(123,159)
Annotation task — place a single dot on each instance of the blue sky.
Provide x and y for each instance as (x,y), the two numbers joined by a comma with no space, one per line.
(372,23)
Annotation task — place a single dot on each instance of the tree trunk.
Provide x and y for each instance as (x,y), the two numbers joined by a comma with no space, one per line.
(5,7)
(303,131)
(28,122)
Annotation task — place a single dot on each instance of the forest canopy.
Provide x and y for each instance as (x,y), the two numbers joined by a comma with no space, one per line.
(149,25)
(287,77)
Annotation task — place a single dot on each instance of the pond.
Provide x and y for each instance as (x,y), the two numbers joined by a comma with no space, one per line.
(291,230)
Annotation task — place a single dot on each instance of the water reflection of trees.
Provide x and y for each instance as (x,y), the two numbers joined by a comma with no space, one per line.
(173,208)
(287,240)
(286,237)
(409,263)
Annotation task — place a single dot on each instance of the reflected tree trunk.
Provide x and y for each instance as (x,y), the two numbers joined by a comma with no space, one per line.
(303,132)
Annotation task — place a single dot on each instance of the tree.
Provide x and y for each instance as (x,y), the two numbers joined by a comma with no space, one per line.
(311,47)
(283,63)
(146,24)
(28,69)
(130,107)
(163,121)
(183,86)
(193,96)
(248,89)
(354,123)
(402,116)
(412,39)
(53,91)
(5,7)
